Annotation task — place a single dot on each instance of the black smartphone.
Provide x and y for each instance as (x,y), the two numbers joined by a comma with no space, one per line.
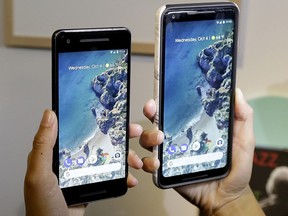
(195,63)
(90,95)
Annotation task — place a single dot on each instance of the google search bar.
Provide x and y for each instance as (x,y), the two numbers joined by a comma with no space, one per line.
(195,159)
(76,173)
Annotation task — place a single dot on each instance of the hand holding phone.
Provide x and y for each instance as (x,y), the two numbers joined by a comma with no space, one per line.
(91,83)
(195,62)
(217,197)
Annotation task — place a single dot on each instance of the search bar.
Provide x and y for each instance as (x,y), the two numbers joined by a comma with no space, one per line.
(195,159)
(76,173)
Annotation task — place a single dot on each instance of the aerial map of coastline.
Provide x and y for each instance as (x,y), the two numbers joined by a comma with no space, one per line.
(197,96)
(92,116)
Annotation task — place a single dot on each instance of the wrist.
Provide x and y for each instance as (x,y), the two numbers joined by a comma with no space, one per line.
(245,204)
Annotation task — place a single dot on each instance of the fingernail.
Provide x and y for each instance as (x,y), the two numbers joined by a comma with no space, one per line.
(134,181)
(239,93)
(139,127)
(152,102)
(139,162)
(160,137)
(156,163)
(47,118)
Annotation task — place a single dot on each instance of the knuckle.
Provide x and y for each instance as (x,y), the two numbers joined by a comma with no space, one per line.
(31,181)
(39,140)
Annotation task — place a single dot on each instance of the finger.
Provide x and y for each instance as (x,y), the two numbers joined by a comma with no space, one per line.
(243,136)
(243,120)
(151,138)
(133,160)
(243,111)
(77,210)
(150,164)
(131,181)
(135,130)
(149,109)
(40,158)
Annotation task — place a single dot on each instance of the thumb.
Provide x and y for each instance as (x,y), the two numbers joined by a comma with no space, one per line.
(243,111)
(243,135)
(41,156)
(243,120)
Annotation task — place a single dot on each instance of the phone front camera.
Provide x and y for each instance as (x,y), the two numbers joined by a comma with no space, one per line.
(68,41)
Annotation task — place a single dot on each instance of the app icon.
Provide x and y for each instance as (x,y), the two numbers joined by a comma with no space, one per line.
(68,162)
(67,174)
(171,149)
(183,148)
(92,159)
(220,142)
(196,146)
(170,163)
(80,160)
(117,155)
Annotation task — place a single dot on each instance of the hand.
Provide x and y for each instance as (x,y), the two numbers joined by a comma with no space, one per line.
(42,193)
(215,196)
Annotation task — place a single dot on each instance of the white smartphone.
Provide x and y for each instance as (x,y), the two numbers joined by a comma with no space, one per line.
(195,64)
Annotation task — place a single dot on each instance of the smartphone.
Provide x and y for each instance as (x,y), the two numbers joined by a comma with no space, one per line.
(90,95)
(195,64)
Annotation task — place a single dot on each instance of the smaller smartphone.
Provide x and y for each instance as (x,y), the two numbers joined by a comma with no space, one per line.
(90,95)
(195,64)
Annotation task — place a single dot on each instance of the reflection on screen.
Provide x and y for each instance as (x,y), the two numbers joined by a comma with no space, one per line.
(197,84)
(92,116)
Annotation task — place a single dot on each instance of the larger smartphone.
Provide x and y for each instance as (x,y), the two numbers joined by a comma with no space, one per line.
(195,63)
(90,90)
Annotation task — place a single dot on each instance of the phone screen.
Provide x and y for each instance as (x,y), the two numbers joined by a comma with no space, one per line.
(197,88)
(92,112)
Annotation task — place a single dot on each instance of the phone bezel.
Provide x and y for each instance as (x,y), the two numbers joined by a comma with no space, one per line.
(205,11)
(118,38)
